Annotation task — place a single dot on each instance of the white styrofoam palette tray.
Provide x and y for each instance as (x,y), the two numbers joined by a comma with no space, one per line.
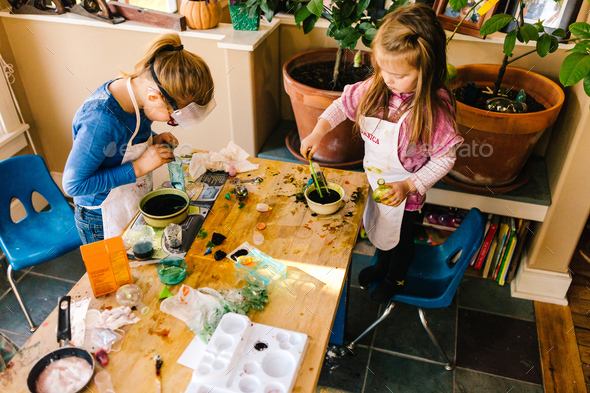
(245,357)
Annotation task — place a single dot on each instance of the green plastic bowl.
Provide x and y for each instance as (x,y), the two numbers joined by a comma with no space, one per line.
(164,221)
(172,270)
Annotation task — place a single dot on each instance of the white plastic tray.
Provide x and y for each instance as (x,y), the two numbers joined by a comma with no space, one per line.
(247,357)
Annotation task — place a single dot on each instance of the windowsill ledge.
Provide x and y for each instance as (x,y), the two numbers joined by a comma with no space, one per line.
(13,142)
(224,33)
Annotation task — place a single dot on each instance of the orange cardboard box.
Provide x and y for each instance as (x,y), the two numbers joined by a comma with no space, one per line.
(107,265)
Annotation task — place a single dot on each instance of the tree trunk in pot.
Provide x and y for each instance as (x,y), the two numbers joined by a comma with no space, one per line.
(497,145)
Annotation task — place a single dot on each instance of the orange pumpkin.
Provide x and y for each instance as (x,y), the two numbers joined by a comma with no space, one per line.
(200,15)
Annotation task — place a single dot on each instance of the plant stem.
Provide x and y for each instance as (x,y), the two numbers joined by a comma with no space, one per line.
(461,22)
(337,66)
(505,61)
(523,55)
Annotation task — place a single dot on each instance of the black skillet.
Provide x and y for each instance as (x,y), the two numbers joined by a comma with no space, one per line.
(64,335)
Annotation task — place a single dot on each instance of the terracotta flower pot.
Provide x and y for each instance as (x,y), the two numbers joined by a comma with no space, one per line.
(497,145)
(339,146)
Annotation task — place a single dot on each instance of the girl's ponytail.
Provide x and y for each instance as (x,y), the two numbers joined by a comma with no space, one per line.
(184,75)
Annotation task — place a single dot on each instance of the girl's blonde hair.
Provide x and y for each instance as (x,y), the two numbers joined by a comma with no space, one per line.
(184,75)
(412,34)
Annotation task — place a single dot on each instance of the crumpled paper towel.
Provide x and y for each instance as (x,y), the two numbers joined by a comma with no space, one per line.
(78,312)
(232,154)
(116,317)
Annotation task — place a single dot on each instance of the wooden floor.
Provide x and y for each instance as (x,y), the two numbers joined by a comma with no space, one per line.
(579,305)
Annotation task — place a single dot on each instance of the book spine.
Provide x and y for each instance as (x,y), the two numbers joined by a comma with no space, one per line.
(486,247)
(508,261)
(489,258)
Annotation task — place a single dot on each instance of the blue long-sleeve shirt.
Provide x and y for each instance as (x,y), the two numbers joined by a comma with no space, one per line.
(101,131)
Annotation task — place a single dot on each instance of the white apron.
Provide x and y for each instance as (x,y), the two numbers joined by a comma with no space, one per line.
(382,223)
(122,203)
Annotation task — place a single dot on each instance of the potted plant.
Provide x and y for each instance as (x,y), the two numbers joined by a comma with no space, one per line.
(311,92)
(486,92)
(245,15)
(201,14)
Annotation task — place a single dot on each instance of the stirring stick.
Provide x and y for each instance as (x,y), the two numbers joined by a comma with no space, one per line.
(315,179)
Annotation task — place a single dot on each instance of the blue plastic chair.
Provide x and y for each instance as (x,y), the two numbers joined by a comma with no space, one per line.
(40,236)
(433,278)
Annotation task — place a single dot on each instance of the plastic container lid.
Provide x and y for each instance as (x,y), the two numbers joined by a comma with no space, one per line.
(258,239)
(172,270)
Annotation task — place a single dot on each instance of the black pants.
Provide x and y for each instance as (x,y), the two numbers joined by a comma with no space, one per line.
(394,264)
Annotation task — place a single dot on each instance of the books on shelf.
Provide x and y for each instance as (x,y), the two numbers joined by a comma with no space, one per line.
(500,251)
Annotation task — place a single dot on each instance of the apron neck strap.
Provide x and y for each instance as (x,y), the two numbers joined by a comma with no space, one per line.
(130,90)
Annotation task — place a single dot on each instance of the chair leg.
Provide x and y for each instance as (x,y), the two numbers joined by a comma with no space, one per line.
(377,322)
(449,365)
(32,326)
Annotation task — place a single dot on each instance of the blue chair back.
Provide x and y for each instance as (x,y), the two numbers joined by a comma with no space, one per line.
(433,277)
(40,236)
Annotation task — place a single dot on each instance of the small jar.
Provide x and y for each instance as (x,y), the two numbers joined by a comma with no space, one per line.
(379,192)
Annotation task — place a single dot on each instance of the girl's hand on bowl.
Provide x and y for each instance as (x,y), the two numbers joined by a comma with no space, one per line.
(154,157)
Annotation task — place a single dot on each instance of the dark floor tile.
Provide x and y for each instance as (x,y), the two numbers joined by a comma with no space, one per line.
(69,267)
(498,345)
(390,373)
(467,381)
(40,295)
(486,295)
(362,312)
(403,332)
(359,262)
(346,372)
(18,339)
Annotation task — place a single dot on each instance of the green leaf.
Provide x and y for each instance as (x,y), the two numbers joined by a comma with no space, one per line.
(539,26)
(559,33)
(316,7)
(509,43)
(575,67)
(587,85)
(580,29)
(495,23)
(458,4)
(543,45)
(582,47)
(343,33)
(370,34)
(301,15)
(352,38)
(362,6)
(309,23)
(529,33)
(554,44)
(363,27)
(347,8)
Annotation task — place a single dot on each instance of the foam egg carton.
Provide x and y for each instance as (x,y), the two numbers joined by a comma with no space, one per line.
(247,357)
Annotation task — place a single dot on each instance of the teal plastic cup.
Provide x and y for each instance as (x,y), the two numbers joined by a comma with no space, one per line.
(172,270)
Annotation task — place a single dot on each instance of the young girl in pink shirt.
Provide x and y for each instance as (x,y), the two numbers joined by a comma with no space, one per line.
(405,115)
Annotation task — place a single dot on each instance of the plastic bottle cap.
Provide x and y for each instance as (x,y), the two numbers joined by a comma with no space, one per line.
(258,239)
(261,226)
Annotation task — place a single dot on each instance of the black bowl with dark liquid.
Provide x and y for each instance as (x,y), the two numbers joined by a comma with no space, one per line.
(164,205)
(328,197)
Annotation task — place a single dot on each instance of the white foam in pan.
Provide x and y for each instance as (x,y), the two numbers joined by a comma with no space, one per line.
(247,357)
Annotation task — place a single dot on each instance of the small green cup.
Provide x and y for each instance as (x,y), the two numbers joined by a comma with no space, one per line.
(172,270)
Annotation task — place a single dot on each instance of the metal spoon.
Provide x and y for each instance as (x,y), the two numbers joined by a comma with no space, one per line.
(241,191)
(257,179)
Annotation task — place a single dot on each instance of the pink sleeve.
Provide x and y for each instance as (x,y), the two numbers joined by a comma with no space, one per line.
(433,171)
(345,106)
(445,136)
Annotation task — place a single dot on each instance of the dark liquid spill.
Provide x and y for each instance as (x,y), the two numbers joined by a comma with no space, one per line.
(164,205)
(260,346)
(329,197)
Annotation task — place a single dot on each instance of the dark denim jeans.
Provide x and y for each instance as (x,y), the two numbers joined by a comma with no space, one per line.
(89,224)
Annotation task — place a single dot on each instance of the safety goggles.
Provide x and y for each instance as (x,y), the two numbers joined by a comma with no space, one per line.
(188,116)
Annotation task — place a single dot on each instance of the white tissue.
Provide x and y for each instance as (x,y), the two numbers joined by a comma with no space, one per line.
(232,154)
(115,318)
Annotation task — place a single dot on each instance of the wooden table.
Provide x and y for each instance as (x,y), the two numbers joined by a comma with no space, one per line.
(317,252)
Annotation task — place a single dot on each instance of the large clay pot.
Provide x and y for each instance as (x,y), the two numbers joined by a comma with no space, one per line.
(497,145)
(200,15)
(338,146)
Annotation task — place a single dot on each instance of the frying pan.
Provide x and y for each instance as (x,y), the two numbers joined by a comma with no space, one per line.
(64,335)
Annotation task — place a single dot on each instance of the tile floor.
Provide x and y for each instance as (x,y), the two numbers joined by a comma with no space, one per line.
(491,336)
